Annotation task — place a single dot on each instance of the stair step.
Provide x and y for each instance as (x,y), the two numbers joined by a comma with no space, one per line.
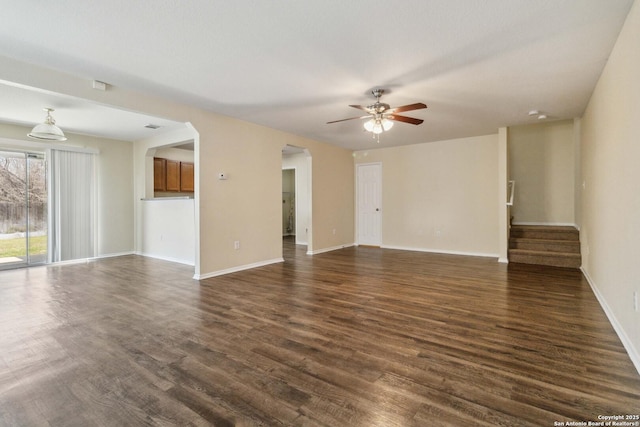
(557,246)
(545,232)
(555,259)
(569,246)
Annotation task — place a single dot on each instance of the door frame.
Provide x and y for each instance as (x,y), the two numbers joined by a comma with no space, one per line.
(357,201)
(30,151)
(295,198)
(304,174)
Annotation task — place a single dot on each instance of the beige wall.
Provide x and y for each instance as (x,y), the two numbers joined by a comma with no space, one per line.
(440,196)
(610,225)
(246,207)
(115,192)
(333,192)
(542,162)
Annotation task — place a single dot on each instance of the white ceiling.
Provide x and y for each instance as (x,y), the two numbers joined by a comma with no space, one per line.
(294,65)
(24,106)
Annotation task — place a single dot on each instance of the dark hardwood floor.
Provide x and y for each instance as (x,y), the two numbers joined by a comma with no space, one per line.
(355,337)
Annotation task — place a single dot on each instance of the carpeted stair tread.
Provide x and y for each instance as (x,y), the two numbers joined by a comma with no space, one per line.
(556,259)
(545,245)
(545,232)
(557,246)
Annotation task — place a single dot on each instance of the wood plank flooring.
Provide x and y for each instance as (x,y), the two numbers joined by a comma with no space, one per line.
(355,337)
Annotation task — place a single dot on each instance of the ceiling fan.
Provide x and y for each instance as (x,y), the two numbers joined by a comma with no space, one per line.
(381,116)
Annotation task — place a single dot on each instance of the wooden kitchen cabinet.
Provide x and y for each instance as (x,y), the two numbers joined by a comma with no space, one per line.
(159,174)
(173,175)
(186,177)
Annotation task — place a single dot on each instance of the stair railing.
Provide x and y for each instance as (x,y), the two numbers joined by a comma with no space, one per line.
(511,187)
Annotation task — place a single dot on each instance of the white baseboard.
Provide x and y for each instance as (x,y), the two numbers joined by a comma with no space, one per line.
(441,251)
(86,260)
(114,255)
(502,260)
(165,258)
(236,269)
(633,353)
(71,262)
(334,248)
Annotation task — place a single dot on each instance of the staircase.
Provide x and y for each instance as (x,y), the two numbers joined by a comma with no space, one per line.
(557,246)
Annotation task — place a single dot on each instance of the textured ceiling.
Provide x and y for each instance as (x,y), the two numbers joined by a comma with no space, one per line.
(294,65)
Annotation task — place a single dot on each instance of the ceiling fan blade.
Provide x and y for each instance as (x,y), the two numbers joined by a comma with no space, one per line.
(350,118)
(404,119)
(360,107)
(410,107)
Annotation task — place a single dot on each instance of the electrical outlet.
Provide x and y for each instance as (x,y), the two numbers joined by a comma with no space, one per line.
(334,231)
(236,245)
(635,300)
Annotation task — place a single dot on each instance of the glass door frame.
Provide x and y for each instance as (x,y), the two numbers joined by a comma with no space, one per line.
(44,216)
(29,257)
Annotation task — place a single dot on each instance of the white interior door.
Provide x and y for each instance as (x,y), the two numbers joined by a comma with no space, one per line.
(369,186)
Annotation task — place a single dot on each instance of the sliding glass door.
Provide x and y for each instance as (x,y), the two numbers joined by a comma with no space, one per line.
(23,209)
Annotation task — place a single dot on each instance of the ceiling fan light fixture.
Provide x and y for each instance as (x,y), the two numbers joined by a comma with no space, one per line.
(377,126)
(381,116)
(48,130)
(369,124)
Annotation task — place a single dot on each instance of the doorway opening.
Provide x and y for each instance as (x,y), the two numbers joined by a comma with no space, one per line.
(296,199)
(23,209)
(289,203)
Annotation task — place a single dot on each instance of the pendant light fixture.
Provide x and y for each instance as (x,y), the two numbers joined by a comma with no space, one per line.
(48,130)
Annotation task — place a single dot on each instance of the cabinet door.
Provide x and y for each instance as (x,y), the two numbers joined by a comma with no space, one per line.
(186,177)
(159,174)
(173,175)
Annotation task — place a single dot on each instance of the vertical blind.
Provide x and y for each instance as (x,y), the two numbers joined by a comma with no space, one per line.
(72,213)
